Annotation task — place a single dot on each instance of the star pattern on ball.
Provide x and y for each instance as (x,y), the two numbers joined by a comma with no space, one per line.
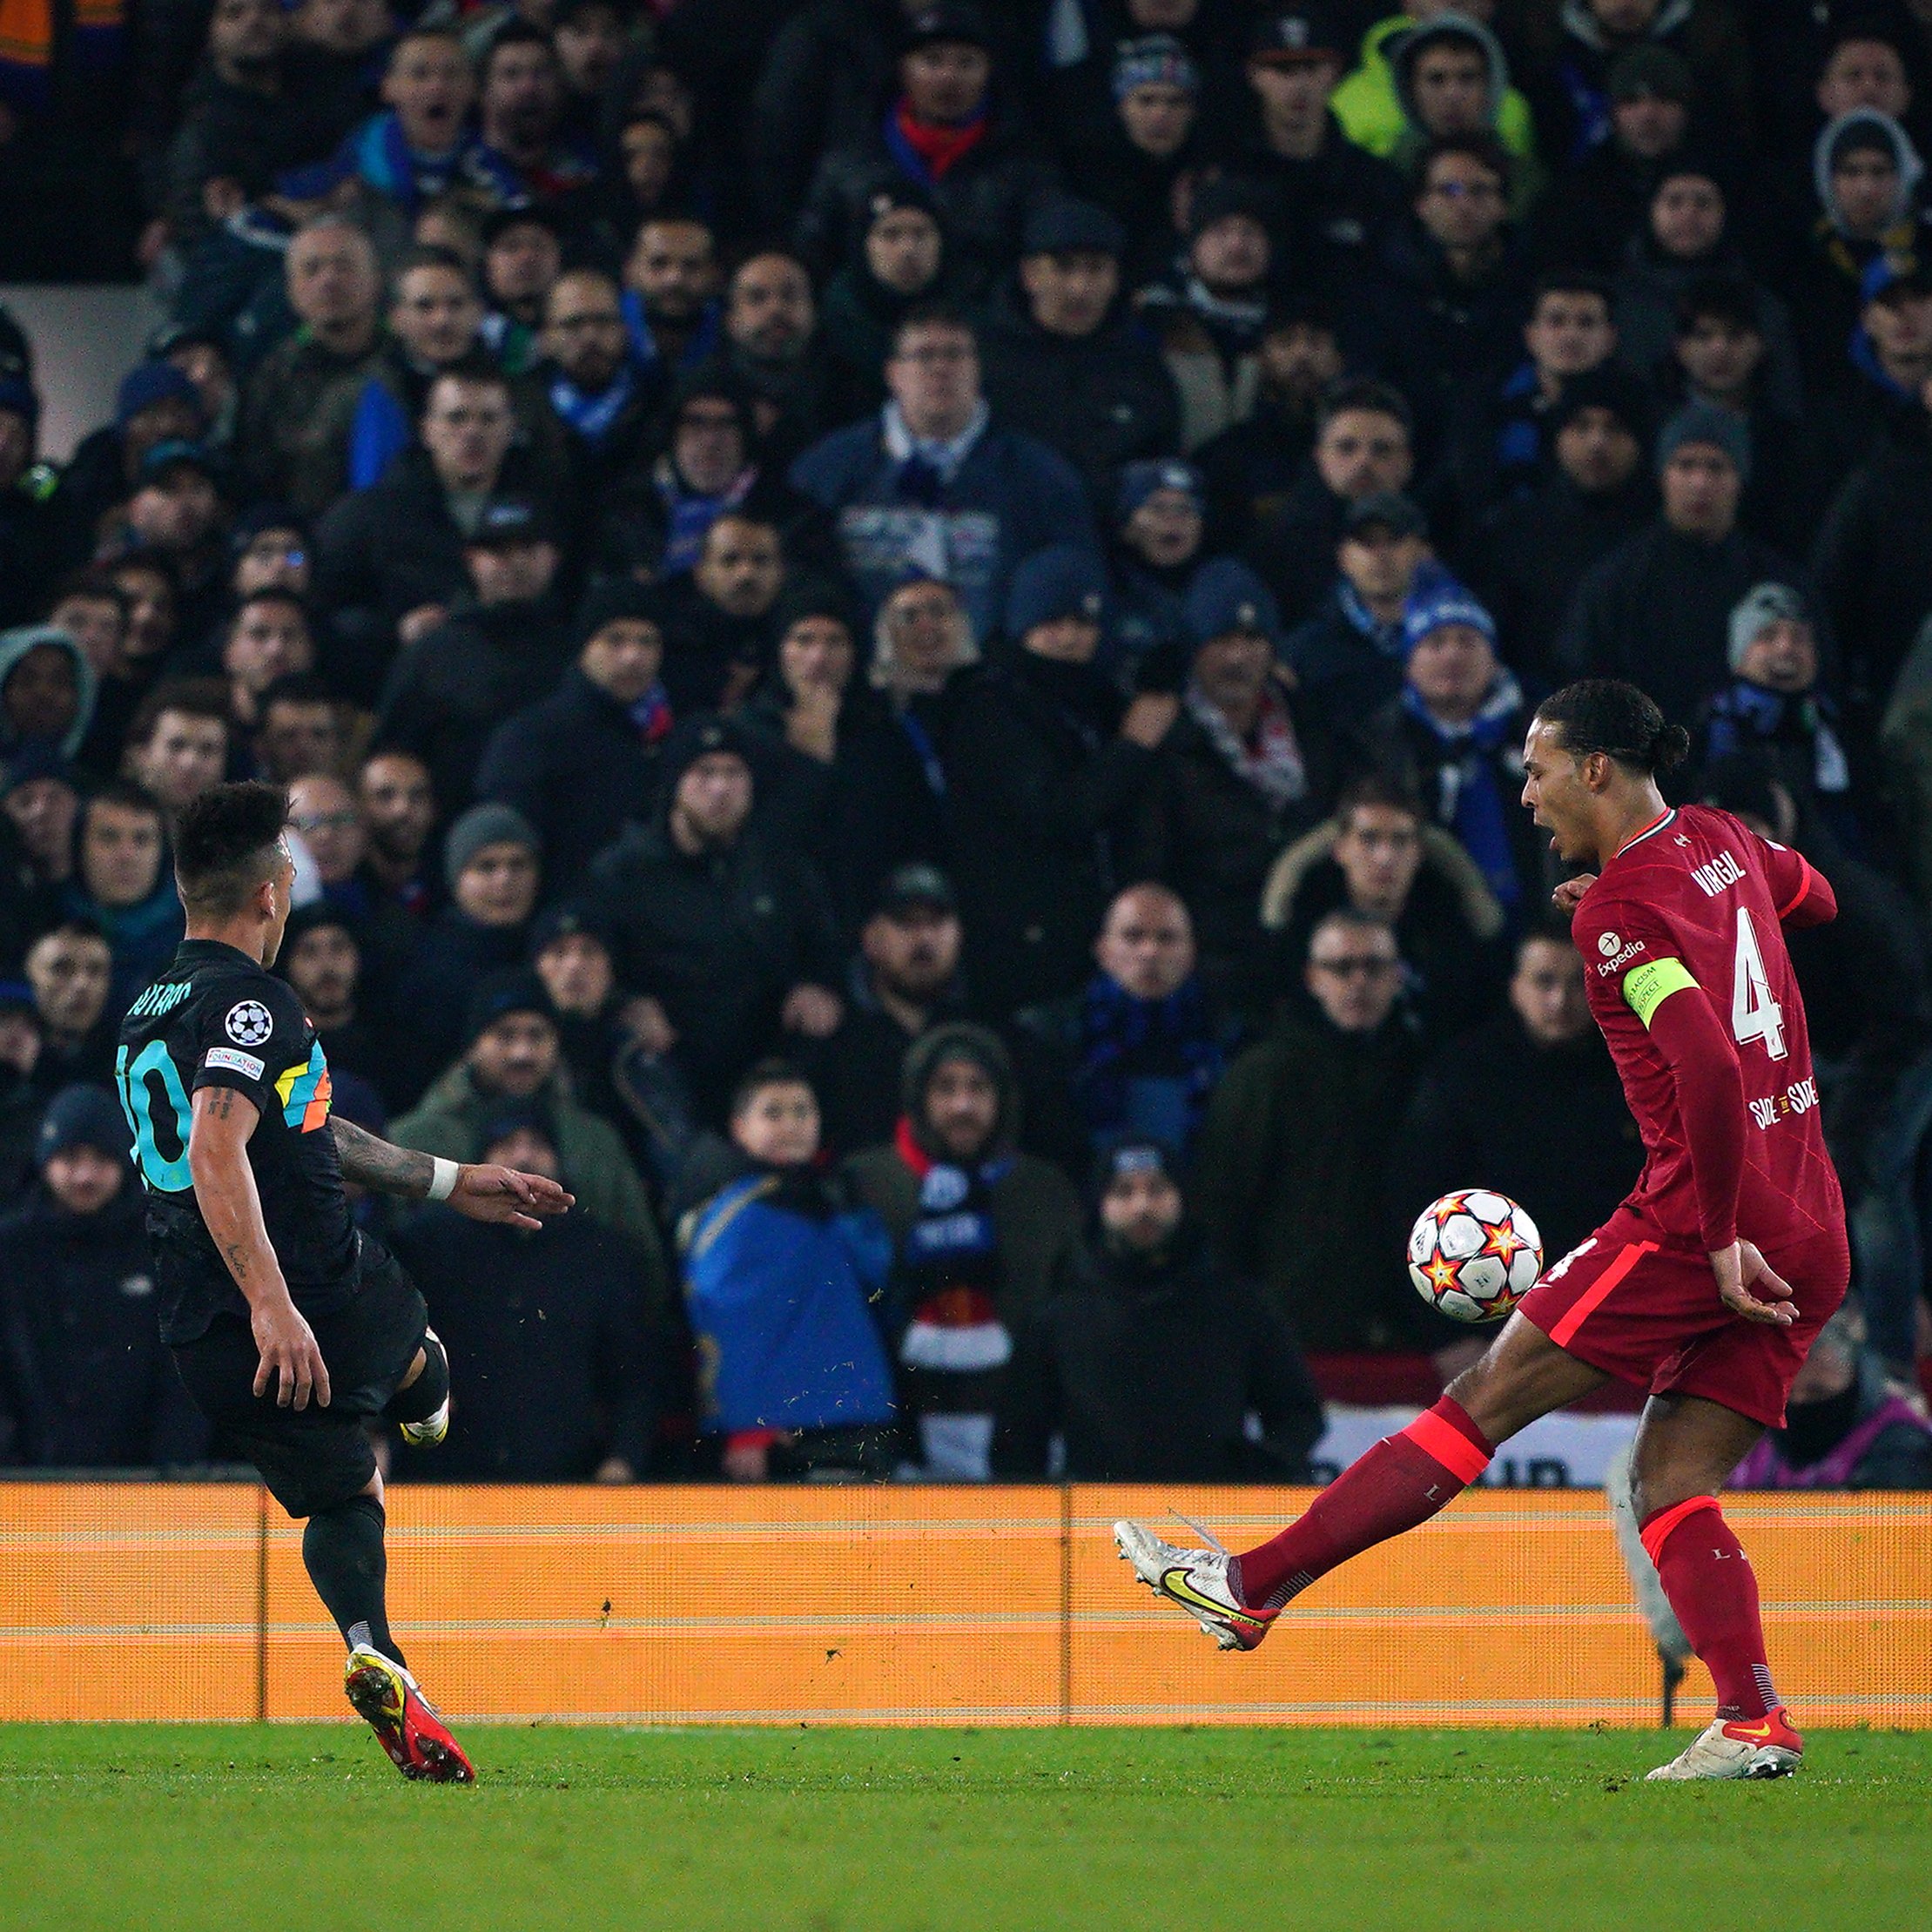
(1450,1205)
(1442,1273)
(1505,1242)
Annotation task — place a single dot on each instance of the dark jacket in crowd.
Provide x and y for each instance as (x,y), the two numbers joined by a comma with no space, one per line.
(577,767)
(1291,1172)
(719,939)
(557,1365)
(1044,789)
(84,1372)
(448,692)
(1147,1369)
(296,415)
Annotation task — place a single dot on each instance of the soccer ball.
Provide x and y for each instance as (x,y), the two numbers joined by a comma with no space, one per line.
(1474,1255)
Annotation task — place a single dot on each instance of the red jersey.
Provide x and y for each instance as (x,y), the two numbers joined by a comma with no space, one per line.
(1698,897)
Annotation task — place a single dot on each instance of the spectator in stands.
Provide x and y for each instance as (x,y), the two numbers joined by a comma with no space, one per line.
(324,816)
(1137,1051)
(1246,767)
(934,482)
(91,1386)
(21,1106)
(30,521)
(1845,1427)
(1595,207)
(271,550)
(717,615)
(522,258)
(513,1058)
(1160,524)
(520,113)
(300,402)
(179,743)
(728,935)
(1252,465)
(1380,857)
(390,560)
(1210,309)
(898,263)
(1349,656)
(46,692)
(594,388)
(670,297)
(780,1277)
(772,345)
(979,1232)
(1364,447)
(121,886)
(177,512)
(1446,309)
(842,782)
(1565,1145)
(40,797)
(302,729)
(397,803)
(1060,357)
(1291,1167)
(581,762)
(922,657)
(322,960)
(561,1376)
(1149,1360)
(1657,608)
(155,404)
(71,970)
(947,132)
(1527,559)
(1047,765)
(1891,355)
(457,683)
(1455,738)
(267,639)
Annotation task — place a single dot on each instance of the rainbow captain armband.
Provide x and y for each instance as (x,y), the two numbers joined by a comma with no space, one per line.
(1647,986)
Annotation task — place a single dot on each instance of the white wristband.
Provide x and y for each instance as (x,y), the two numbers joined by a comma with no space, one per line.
(442,1182)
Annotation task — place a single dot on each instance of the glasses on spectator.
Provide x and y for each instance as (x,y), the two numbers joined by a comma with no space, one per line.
(326,821)
(1466,191)
(1357,965)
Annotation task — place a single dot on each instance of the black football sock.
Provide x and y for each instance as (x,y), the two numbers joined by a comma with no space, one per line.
(343,1550)
(428,1393)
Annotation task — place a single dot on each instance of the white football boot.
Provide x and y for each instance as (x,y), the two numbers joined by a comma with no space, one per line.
(433,1427)
(1197,1581)
(1761,1748)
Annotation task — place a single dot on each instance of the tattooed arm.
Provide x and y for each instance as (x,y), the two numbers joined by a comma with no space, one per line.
(482,1193)
(225,1190)
(375,1164)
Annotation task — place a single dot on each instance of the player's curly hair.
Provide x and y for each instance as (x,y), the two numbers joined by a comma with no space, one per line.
(1607,715)
(222,841)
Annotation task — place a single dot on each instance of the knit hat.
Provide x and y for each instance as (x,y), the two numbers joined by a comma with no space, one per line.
(39,759)
(318,915)
(568,918)
(896,191)
(1230,195)
(511,989)
(814,597)
(82,1117)
(1136,1155)
(1607,387)
(915,884)
(947,21)
(484,825)
(1065,580)
(1302,31)
(148,383)
(1651,71)
(1141,480)
(1225,597)
(957,1039)
(1388,509)
(1444,602)
(1761,606)
(1698,422)
(1065,226)
(697,737)
(508,1117)
(610,599)
(507,521)
(1155,60)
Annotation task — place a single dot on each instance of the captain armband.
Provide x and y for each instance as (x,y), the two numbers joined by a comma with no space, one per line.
(1647,986)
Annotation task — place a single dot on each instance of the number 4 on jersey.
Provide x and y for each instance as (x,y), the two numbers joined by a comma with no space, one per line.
(1754,1013)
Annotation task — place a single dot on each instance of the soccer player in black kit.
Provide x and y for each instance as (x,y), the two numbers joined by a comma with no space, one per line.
(290,1328)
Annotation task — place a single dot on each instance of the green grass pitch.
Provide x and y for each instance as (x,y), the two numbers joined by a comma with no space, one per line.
(288,1828)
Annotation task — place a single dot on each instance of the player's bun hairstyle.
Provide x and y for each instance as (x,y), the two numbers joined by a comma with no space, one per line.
(221,840)
(1607,715)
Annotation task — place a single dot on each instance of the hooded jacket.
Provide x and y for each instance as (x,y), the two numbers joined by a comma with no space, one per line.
(1374,116)
(14,646)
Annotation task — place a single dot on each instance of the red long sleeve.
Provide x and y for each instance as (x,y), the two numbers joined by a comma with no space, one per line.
(1686,1031)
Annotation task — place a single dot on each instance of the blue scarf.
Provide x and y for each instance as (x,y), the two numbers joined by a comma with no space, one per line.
(380,154)
(1386,638)
(643,344)
(1175,1034)
(593,417)
(688,517)
(1744,716)
(1470,802)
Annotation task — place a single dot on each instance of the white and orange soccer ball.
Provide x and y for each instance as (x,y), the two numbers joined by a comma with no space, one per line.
(1474,1255)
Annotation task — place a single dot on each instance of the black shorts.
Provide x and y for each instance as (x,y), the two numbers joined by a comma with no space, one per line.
(314,1459)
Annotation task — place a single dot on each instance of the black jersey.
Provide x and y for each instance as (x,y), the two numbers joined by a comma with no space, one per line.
(217,1018)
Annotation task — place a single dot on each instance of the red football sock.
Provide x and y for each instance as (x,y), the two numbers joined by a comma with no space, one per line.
(1403,1481)
(1712,1587)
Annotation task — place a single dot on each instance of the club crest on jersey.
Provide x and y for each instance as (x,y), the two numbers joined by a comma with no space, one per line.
(249,1023)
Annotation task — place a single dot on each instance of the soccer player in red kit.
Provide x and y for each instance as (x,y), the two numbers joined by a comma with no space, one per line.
(1706,1286)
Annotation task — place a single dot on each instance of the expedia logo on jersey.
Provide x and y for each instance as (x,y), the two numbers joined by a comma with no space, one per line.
(1621,952)
(305,1091)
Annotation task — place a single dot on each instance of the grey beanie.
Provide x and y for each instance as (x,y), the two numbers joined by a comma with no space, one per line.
(1761,606)
(1698,422)
(486,826)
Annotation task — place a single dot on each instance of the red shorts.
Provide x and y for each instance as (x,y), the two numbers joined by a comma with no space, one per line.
(1648,1314)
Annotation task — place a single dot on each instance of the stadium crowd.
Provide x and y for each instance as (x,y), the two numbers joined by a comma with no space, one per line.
(900,632)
